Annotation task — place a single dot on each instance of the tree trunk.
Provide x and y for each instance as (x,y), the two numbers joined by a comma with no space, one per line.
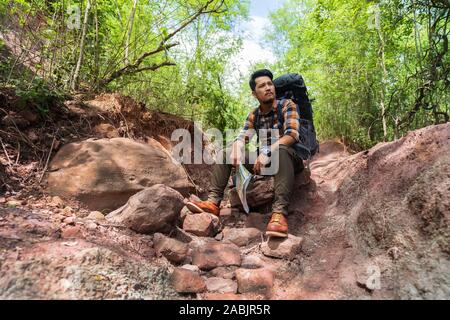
(130,31)
(383,83)
(76,73)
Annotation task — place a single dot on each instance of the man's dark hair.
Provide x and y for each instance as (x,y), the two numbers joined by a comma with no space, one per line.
(257,74)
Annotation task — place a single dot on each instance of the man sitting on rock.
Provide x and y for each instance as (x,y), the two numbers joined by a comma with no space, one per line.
(263,117)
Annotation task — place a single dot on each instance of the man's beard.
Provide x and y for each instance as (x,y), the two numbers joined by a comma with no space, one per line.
(268,101)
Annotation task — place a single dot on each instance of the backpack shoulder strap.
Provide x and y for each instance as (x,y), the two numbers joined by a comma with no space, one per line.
(280,117)
(256,123)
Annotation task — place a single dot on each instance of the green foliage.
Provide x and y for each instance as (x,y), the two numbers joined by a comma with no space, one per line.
(191,88)
(362,57)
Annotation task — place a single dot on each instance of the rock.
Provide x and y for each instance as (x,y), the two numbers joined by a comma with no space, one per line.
(57,202)
(96,215)
(190,267)
(259,193)
(183,213)
(105,173)
(285,248)
(221,285)
(255,280)
(252,262)
(174,250)
(106,130)
(154,209)
(257,220)
(187,281)
(2,200)
(182,235)
(67,211)
(13,203)
(216,254)
(223,272)
(241,236)
(193,197)
(69,220)
(91,226)
(199,224)
(72,232)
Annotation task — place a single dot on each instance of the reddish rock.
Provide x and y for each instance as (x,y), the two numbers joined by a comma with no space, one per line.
(241,236)
(199,224)
(215,254)
(223,272)
(285,248)
(255,280)
(96,215)
(221,285)
(174,250)
(105,173)
(72,232)
(252,262)
(187,281)
(154,209)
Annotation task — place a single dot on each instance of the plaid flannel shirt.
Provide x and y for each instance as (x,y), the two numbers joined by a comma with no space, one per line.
(270,121)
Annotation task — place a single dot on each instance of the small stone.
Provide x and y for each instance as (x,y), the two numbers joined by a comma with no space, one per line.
(216,254)
(255,280)
(241,236)
(224,272)
(284,248)
(96,215)
(228,212)
(221,285)
(71,232)
(199,224)
(193,197)
(184,212)
(187,281)
(91,226)
(173,250)
(252,262)
(190,267)
(13,203)
(57,202)
(67,211)
(69,220)
(2,200)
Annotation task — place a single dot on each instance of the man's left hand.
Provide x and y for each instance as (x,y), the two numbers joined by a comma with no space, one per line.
(261,161)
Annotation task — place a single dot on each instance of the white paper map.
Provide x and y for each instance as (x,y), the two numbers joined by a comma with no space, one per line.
(243,178)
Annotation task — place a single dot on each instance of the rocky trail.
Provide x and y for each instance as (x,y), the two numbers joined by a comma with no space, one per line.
(370,225)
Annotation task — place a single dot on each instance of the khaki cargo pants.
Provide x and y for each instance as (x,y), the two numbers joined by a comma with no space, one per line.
(289,165)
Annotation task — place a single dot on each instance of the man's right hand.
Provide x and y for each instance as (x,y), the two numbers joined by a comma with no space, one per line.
(236,153)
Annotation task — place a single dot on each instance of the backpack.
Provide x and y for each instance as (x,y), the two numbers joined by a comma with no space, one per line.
(291,86)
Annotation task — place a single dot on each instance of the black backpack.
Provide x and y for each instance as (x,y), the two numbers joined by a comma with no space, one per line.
(292,86)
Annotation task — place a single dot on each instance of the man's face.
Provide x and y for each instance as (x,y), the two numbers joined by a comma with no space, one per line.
(264,90)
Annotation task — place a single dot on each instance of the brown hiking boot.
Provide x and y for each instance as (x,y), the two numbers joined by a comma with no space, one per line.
(203,206)
(278,226)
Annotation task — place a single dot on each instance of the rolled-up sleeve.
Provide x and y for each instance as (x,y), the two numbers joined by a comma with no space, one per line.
(248,130)
(291,122)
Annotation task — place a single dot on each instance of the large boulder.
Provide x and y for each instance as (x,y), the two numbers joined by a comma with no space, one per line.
(104,173)
(155,209)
